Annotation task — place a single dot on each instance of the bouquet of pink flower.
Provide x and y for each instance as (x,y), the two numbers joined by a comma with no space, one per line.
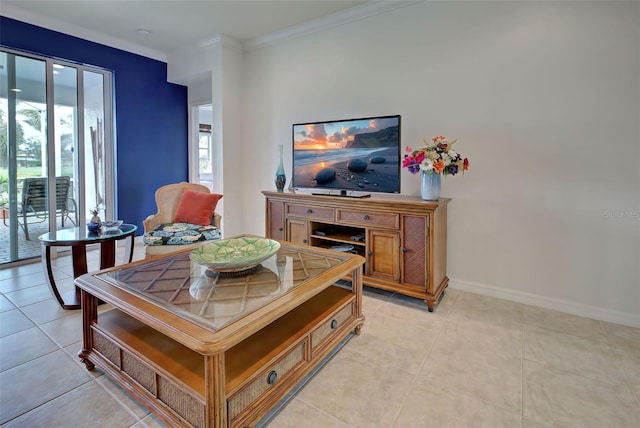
(436,157)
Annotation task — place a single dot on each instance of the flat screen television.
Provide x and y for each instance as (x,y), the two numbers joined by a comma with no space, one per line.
(352,157)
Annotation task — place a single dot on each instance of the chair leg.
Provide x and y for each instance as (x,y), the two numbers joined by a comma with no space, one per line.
(66,215)
(25,225)
(72,207)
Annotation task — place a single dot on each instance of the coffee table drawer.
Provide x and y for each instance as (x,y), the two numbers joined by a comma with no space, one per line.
(319,336)
(268,379)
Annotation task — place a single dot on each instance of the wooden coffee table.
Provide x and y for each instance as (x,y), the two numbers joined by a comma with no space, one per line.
(203,349)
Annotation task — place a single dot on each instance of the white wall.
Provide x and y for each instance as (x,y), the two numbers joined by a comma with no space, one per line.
(545,100)
(227,146)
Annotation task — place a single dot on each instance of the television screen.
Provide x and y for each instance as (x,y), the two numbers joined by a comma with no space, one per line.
(354,155)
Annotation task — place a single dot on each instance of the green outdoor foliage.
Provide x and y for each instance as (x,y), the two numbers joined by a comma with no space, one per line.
(29,149)
(4,190)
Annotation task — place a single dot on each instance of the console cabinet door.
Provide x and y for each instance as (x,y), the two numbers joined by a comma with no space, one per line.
(383,255)
(275,220)
(414,250)
(297,231)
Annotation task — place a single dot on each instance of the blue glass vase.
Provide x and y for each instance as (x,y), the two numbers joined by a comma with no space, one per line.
(430,186)
(281,178)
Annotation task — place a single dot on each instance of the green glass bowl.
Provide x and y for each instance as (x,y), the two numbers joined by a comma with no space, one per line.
(235,254)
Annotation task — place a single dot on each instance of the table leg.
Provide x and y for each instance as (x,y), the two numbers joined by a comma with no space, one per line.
(89,316)
(128,254)
(107,254)
(68,300)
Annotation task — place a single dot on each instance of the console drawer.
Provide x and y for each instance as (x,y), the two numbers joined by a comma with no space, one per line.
(310,211)
(268,379)
(320,335)
(364,218)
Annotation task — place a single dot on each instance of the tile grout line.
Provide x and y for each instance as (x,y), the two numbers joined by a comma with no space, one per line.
(422,364)
(577,373)
(52,398)
(319,409)
(117,400)
(628,377)
(522,350)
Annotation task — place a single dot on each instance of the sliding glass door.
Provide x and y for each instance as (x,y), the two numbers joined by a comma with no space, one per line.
(55,149)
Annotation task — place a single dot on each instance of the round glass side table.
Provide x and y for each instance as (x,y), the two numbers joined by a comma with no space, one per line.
(78,238)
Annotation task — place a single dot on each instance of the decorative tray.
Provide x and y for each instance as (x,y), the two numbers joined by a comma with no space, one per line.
(235,254)
(111,226)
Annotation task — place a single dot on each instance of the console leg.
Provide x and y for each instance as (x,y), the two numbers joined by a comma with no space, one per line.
(431,304)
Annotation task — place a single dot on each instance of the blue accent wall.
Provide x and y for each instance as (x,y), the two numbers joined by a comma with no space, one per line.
(150,113)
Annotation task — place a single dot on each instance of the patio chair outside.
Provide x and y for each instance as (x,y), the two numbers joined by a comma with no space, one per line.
(34,204)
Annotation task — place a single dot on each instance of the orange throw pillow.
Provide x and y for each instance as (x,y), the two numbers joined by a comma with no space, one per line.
(196,207)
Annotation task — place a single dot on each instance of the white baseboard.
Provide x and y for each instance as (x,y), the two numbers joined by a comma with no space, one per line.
(615,317)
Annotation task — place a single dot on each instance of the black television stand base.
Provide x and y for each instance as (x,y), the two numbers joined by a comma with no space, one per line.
(343,194)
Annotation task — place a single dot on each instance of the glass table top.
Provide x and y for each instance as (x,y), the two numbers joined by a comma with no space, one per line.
(81,234)
(213,299)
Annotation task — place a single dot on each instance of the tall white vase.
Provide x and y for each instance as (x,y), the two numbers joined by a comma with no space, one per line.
(430,186)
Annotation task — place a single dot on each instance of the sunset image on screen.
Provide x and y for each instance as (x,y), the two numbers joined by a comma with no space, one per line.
(358,154)
(335,135)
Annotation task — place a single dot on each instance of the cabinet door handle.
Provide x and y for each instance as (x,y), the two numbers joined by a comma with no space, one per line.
(404,249)
(304,241)
(370,253)
(334,324)
(280,229)
(366,217)
(309,210)
(272,377)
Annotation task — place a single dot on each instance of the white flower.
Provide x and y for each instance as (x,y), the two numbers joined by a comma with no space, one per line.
(446,159)
(453,154)
(427,165)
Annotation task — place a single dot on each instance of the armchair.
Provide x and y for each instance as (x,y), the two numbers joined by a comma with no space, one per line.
(168,201)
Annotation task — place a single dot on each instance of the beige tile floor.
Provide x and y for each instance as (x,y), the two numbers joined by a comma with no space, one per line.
(474,362)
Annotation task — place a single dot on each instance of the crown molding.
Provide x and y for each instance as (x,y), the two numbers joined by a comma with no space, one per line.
(12,12)
(205,47)
(194,63)
(222,40)
(371,8)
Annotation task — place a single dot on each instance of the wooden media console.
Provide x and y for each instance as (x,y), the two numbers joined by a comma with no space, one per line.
(402,238)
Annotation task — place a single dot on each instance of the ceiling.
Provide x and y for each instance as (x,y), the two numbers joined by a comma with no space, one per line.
(173,24)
